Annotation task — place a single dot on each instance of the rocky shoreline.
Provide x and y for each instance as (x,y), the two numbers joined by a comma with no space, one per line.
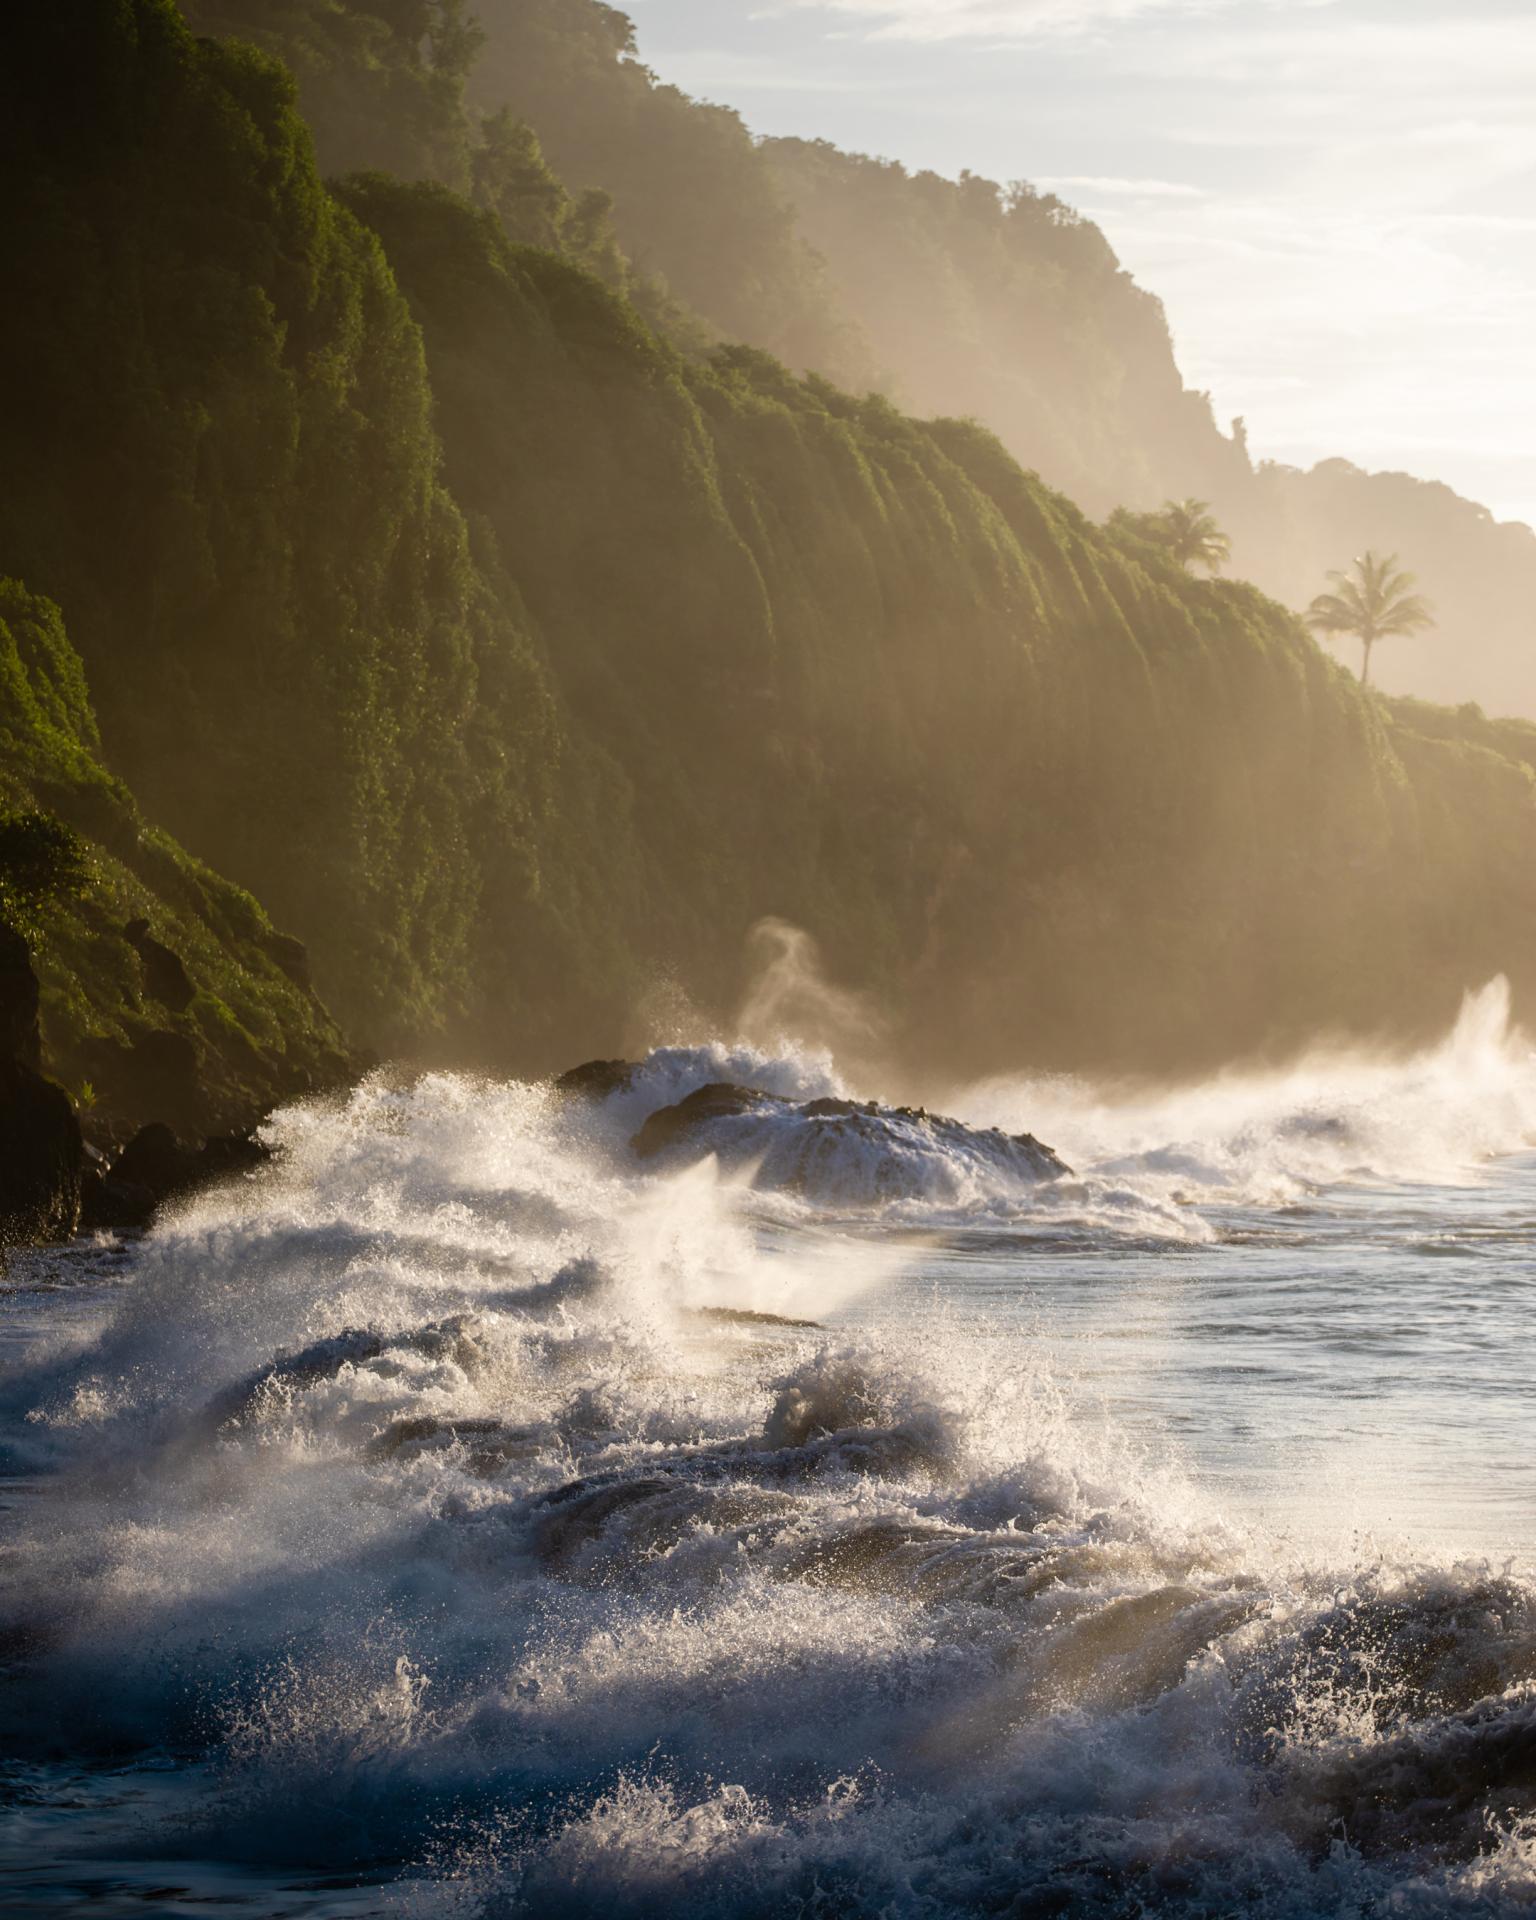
(829,1150)
(63,1172)
(42,1151)
(65,1169)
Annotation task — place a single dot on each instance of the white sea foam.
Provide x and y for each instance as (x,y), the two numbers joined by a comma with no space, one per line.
(421,1486)
(1271,1136)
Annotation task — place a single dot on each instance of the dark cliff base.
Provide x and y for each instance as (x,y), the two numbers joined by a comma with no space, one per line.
(66,1168)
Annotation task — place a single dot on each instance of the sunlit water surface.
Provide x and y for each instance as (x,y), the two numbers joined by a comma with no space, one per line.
(1356,1366)
(406,1531)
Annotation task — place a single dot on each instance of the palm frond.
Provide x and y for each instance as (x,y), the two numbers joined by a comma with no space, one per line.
(1373,599)
(1405,615)
(1331,613)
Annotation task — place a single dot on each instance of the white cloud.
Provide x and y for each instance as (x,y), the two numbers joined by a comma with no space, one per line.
(1014,19)
(1338,53)
(1332,197)
(1340,323)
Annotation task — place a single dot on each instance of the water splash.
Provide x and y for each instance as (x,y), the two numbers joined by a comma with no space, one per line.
(434,1504)
(1272,1136)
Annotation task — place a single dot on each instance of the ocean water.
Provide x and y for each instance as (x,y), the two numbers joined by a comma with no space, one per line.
(462,1517)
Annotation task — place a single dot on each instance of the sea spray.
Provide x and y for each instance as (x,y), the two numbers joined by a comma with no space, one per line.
(1272,1134)
(418,1505)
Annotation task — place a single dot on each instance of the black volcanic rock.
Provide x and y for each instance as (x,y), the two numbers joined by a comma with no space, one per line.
(846,1151)
(109,1205)
(156,1159)
(156,1166)
(596,1079)
(42,1156)
(717,1101)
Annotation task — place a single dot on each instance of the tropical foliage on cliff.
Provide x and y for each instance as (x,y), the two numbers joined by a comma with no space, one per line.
(80,867)
(520,654)
(955,297)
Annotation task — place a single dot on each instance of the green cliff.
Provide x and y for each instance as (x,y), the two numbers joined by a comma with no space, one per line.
(520,656)
(167,994)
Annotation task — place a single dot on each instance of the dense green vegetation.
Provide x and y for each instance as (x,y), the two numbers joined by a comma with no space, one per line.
(383,86)
(1185,529)
(520,653)
(41,860)
(695,205)
(1002,303)
(868,675)
(217,397)
(383,81)
(79,865)
(967,298)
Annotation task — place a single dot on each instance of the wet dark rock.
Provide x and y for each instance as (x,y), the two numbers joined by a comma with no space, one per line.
(42,1156)
(223,1155)
(838,1150)
(596,1079)
(717,1101)
(114,1206)
(155,1166)
(154,1158)
(165,978)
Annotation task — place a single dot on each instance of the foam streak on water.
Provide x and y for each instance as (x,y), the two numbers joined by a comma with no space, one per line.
(434,1523)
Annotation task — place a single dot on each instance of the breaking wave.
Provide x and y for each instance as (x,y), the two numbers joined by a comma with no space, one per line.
(465,1503)
(1269,1137)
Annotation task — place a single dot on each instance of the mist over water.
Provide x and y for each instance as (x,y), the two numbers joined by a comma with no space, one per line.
(1336,1114)
(434,1523)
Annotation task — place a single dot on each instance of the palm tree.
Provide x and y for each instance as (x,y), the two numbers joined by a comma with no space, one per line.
(1375,599)
(1189,531)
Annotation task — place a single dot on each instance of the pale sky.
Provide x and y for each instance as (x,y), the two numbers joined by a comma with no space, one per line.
(1336,199)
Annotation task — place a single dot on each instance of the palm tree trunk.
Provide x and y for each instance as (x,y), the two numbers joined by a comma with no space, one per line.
(1365,664)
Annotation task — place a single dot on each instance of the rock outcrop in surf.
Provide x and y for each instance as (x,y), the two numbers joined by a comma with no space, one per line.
(420,1480)
(848,1151)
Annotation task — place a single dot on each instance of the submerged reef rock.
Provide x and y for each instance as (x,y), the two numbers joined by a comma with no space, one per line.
(41,1153)
(854,1152)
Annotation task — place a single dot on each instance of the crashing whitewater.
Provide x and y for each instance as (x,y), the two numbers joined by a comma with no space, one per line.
(466,1507)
